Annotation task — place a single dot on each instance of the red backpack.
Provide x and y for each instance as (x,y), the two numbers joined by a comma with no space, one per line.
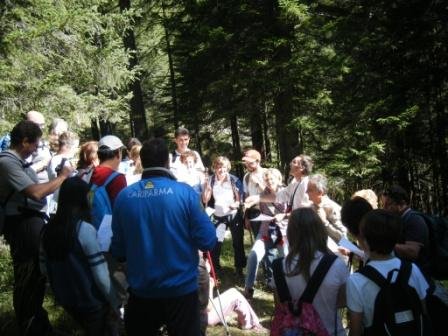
(299,317)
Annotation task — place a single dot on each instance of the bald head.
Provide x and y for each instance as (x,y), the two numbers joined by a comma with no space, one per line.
(36,117)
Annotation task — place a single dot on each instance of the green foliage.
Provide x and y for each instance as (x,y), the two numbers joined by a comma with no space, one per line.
(64,58)
(6,273)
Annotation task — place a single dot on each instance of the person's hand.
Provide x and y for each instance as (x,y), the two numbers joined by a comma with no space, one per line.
(251,201)
(234,205)
(344,251)
(66,171)
(279,217)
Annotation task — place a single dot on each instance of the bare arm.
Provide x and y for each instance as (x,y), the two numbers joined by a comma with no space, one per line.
(341,300)
(39,191)
(408,250)
(355,323)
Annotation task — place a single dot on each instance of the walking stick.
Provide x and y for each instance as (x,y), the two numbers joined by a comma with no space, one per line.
(212,269)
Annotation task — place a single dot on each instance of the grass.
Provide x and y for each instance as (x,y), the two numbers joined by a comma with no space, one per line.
(262,303)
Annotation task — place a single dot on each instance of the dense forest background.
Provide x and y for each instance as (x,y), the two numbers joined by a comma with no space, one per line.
(361,86)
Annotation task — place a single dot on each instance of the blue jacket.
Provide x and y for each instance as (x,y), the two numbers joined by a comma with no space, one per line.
(158,227)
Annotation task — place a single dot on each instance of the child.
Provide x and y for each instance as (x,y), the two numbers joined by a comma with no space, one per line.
(75,267)
(379,232)
(307,237)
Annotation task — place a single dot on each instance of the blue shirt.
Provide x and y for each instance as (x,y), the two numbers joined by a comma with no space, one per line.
(158,227)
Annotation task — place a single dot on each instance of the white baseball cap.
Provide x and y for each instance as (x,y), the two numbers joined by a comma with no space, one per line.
(110,142)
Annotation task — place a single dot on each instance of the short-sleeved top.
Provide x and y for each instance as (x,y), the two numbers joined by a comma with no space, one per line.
(325,301)
(100,175)
(176,165)
(295,191)
(42,153)
(362,292)
(414,229)
(224,196)
(250,187)
(15,178)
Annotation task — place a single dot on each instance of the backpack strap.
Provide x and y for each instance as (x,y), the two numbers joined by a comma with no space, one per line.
(291,200)
(317,277)
(312,285)
(110,178)
(405,272)
(372,274)
(24,166)
(280,281)
(174,156)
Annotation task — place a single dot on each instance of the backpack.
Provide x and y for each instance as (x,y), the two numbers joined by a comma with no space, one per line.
(397,309)
(99,200)
(5,142)
(299,318)
(438,245)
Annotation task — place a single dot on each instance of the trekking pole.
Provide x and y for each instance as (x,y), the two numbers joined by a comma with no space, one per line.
(212,269)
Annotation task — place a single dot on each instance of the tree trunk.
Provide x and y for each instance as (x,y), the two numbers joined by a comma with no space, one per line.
(169,52)
(236,143)
(287,137)
(139,126)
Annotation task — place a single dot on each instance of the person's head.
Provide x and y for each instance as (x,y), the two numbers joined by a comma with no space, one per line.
(57,127)
(352,213)
(273,179)
(154,153)
(37,118)
(68,141)
(189,159)
(109,149)
(133,142)
(182,139)
(369,195)
(88,155)
(317,187)
(73,205)
(134,155)
(251,159)
(306,235)
(301,165)
(380,231)
(395,199)
(221,165)
(25,137)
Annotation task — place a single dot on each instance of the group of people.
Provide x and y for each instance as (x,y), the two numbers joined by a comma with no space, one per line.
(167,220)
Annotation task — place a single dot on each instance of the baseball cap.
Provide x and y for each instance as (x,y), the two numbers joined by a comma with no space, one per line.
(252,155)
(110,142)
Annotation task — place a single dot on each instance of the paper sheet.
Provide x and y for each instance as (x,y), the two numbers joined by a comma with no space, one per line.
(344,242)
(104,234)
(209,211)
(262,217)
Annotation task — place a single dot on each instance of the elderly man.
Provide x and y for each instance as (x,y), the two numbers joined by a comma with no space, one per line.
(158,226)
(23,202)
(328,210)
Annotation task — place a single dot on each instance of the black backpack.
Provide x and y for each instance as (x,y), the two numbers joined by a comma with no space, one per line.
(438,245)
(398,309)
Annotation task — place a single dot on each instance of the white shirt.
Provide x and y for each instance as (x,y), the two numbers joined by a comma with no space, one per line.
(362,292)
(176,166)
(224,196)
(298,189)
(327,294)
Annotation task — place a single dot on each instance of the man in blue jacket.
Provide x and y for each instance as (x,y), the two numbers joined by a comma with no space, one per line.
(158,227)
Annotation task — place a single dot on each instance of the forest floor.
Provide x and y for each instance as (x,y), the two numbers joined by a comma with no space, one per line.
(262,303)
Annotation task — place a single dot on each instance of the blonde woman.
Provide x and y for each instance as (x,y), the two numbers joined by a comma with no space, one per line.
(270,235)
(223,192)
